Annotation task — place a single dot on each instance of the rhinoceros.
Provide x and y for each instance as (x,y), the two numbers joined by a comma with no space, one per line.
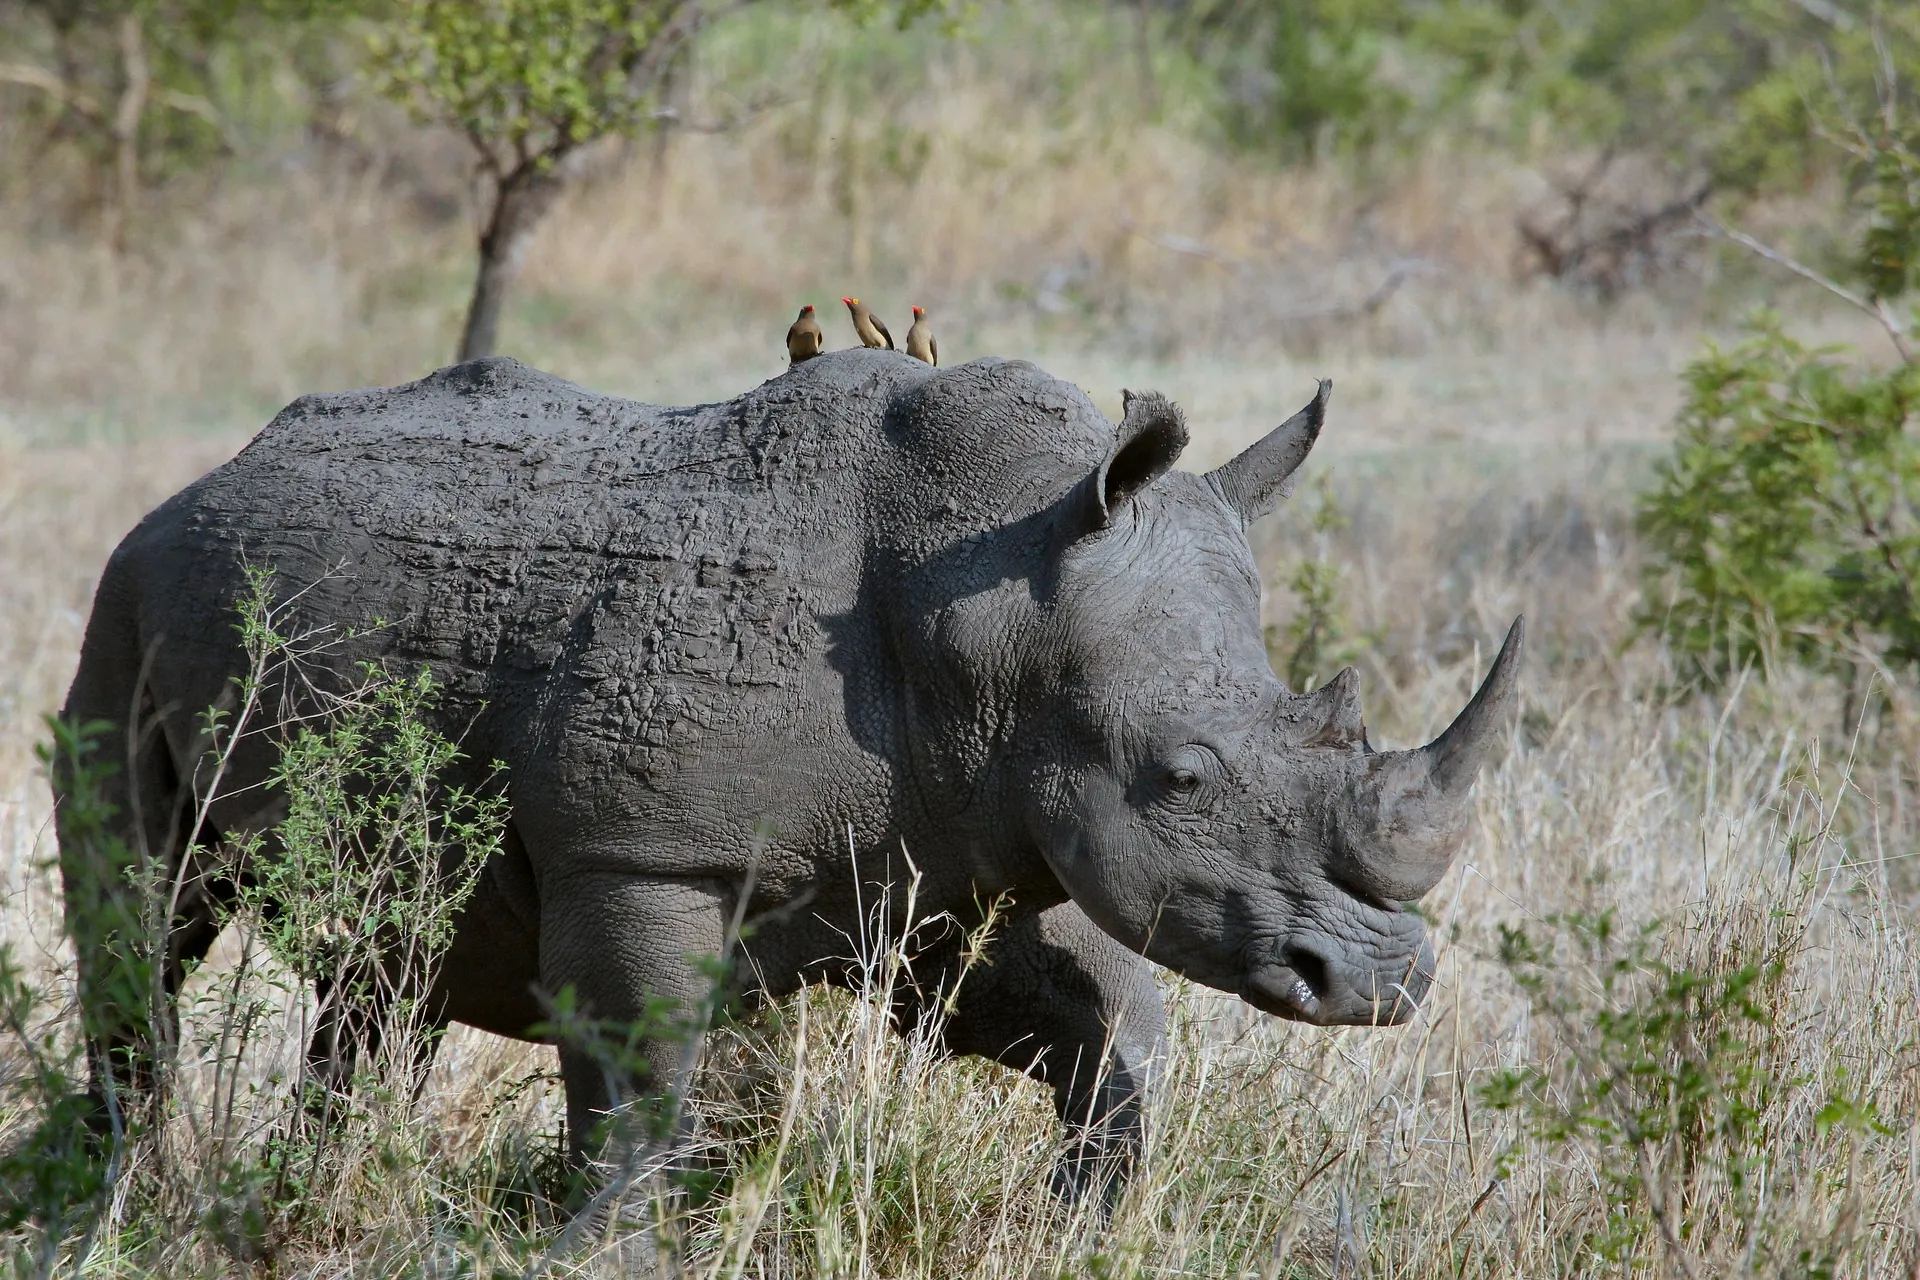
(868,612)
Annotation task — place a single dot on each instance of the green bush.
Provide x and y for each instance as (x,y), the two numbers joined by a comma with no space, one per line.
(1784,525)
(1320,637)
(346,905)
(1665,1067)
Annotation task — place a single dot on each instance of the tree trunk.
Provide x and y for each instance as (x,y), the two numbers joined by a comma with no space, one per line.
(126,129)
(523,198)
(1143,54)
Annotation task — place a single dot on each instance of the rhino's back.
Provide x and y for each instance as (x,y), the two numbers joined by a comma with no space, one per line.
(635,577)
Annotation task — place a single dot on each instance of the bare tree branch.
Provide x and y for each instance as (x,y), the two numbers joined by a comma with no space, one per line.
(733,123)
(1831,14)
(1183,245)
(1876,308)
(53,86)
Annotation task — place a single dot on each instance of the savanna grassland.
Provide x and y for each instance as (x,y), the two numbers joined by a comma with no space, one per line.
(1676,1025)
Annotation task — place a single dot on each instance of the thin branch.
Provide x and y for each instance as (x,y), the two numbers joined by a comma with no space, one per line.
(194,105)
(53,86)
(1656,1196)
(1480,1203)
(1398,274)
(740,119)
(1183,245)
(1831,14)
(1873,307)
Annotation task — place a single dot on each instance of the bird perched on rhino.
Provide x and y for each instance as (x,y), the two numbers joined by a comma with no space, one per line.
(868,325)
(920,342)
(805,338)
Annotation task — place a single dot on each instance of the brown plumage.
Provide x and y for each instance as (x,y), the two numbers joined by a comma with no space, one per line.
(872,332)
(920,342)
(805,338)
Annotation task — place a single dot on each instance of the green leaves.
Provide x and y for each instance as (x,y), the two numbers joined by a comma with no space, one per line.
(1663,1075)
(1888,186)
(533,77)
(1696,81)
(1784,526)
(1302,77)
(376,855)
(1320,638)
(52,1170)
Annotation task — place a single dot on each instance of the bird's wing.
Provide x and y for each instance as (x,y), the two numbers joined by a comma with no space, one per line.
(882,328)
(933,349)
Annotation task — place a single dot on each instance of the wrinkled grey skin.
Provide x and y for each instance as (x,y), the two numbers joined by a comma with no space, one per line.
(953,611)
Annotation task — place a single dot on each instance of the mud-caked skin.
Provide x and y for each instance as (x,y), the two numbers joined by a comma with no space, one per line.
(872,608)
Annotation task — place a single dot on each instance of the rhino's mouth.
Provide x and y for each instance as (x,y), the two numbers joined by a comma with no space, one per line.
(1295,988)
(1304,986)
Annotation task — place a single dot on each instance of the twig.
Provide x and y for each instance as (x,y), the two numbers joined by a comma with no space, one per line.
(194,105)
(1183,245)
(1398,274)
(739,120)
(1831,14)
(1875,308)
(52,85)
(1657,1201)
(1493,1185)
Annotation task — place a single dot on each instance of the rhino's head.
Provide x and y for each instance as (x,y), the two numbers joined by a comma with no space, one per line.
(1246,837)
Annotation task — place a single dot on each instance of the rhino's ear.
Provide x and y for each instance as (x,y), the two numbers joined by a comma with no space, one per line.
(1255,480)
(1152,434)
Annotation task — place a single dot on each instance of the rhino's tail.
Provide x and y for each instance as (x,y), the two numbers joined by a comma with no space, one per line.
(137,910)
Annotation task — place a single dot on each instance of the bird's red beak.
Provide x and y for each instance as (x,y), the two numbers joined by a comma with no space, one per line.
(917,311)
(849,301)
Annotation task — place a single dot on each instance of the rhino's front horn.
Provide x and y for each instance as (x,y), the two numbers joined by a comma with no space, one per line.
(1407,817)
(1253,481)
(1455,756)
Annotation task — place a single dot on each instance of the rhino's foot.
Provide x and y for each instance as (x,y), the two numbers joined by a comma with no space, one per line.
(1094,1170)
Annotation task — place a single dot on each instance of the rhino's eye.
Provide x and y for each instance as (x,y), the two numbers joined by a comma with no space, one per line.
(1184,779)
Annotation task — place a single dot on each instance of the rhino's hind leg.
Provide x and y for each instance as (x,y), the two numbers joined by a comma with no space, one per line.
(137,894)
(1060,1000)
(633,952)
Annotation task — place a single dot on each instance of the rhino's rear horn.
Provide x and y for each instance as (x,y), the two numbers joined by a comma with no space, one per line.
(1455,756)
(1263,474)
(1330,715)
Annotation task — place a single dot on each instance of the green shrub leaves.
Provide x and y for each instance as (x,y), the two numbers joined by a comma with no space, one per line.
(1783,526)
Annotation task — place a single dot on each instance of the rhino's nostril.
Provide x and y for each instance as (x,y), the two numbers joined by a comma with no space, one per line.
(1312,969)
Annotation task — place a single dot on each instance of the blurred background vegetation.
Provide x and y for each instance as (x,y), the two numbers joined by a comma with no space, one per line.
(1501,221)
(245,200)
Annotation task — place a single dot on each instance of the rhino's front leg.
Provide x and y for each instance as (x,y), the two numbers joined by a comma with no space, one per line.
(632,950)
(1063,1002)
